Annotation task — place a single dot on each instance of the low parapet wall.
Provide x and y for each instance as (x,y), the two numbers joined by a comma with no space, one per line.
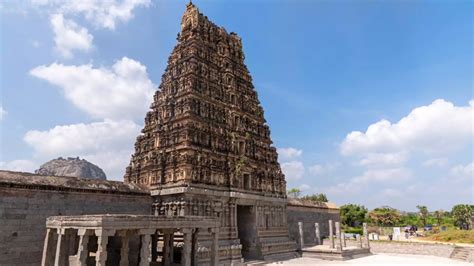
(26,200)
(310,213)
(415,248)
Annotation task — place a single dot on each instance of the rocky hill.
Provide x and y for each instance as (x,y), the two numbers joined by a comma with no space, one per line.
(71,167)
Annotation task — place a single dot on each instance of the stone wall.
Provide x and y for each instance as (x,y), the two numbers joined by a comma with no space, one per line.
(415,248)
(26,201)
(310,213)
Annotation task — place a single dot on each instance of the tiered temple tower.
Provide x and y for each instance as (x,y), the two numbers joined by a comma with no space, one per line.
(206,149)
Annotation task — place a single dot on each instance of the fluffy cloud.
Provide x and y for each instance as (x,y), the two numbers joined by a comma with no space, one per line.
(439,162)
(69,36)
(395,156)
(2,113)
(123,91)
(107,144)
(318,169)
(383,159)
(289,153)
(438,127)
(460,172)
(103,14)
(371,178)
(293,170)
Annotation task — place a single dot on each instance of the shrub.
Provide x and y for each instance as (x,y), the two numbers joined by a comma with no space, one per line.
(354,231)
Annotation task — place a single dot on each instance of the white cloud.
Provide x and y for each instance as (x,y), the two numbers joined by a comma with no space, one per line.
(316,169)
(289,153)
(108,144)
(102,13)
(439,162)
(383,159)
(293,170)
(391,175)
(122,92)
(437,128)
(320,169)
(460,172)
(19,165)
(370,178)
(2,113)
(69,36)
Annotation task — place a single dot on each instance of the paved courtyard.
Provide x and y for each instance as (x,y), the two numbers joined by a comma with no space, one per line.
(379,259)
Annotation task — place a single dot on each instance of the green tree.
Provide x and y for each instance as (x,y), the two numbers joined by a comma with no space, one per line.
(384,216)
(352,214)
(318,197)
(438,215)
(294,192)
(462,215)
(423,212)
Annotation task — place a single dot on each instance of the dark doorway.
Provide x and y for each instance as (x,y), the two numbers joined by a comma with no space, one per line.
(247,231)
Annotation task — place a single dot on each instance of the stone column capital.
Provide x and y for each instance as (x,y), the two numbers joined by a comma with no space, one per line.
(166,231)
(104,232)
(187,230)
(146,231)
(84,232)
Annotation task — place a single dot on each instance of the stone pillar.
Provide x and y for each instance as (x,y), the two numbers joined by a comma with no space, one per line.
(166,249)
(194,247)
(168,245)
(338,236)
(366,235)
(171,247)
(48,256)
(215,247)
(359,241)
(145,237)
(331,235)
(62,246)
(154,247)
(343,238)
(102,241)
(317,233)
(186,255)
(82,251)
(125,248)
(300,236)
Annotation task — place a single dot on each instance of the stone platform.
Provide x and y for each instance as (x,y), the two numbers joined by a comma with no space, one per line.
(327,253)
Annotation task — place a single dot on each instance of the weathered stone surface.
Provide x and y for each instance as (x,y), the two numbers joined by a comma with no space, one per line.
(26,200)
(10,178)
(415,248)
(71,167)
(309,213)
(206,124)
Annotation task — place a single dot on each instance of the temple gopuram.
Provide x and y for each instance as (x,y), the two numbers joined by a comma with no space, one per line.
(205,149)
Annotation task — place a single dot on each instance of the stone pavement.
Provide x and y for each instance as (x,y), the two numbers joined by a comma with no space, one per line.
(379,259)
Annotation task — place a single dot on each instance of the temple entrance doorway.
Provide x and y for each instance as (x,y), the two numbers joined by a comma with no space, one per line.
(247,231)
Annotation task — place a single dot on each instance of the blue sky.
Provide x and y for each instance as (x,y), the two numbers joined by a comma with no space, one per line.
(76,79)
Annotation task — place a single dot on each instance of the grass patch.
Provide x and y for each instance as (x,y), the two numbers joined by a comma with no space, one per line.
(453,236)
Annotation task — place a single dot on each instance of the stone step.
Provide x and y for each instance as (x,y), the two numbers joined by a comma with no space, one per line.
(460,253)
(254,263)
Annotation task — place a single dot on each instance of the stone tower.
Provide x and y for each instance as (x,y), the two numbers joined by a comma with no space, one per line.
(206,149)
